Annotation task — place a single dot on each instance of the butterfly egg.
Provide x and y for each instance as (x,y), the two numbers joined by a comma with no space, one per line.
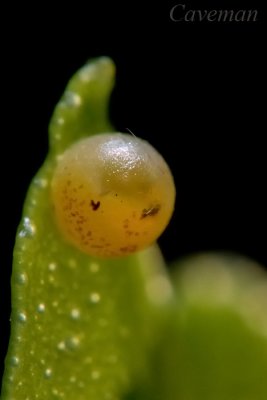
(113,194)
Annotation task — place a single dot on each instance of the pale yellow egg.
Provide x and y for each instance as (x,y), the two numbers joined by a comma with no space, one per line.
(113,194)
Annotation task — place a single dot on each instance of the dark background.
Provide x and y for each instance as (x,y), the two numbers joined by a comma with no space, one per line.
(195,90)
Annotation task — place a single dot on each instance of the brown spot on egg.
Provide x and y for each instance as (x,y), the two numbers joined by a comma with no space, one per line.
(128,249)
(95,205)
(150,212)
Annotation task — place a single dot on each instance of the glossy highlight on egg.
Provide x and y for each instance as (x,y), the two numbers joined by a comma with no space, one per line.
(113,194)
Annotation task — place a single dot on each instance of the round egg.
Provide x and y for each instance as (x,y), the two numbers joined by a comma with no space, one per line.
(113,194)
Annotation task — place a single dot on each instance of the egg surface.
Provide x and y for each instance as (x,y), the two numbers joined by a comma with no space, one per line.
(113,194)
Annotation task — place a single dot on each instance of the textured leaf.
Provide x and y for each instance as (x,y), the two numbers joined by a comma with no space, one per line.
(80,326)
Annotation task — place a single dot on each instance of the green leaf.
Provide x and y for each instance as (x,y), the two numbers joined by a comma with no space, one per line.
(83,108)
(81,327)
(215,343)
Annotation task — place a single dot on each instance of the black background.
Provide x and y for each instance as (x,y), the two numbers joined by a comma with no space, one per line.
(195,90)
